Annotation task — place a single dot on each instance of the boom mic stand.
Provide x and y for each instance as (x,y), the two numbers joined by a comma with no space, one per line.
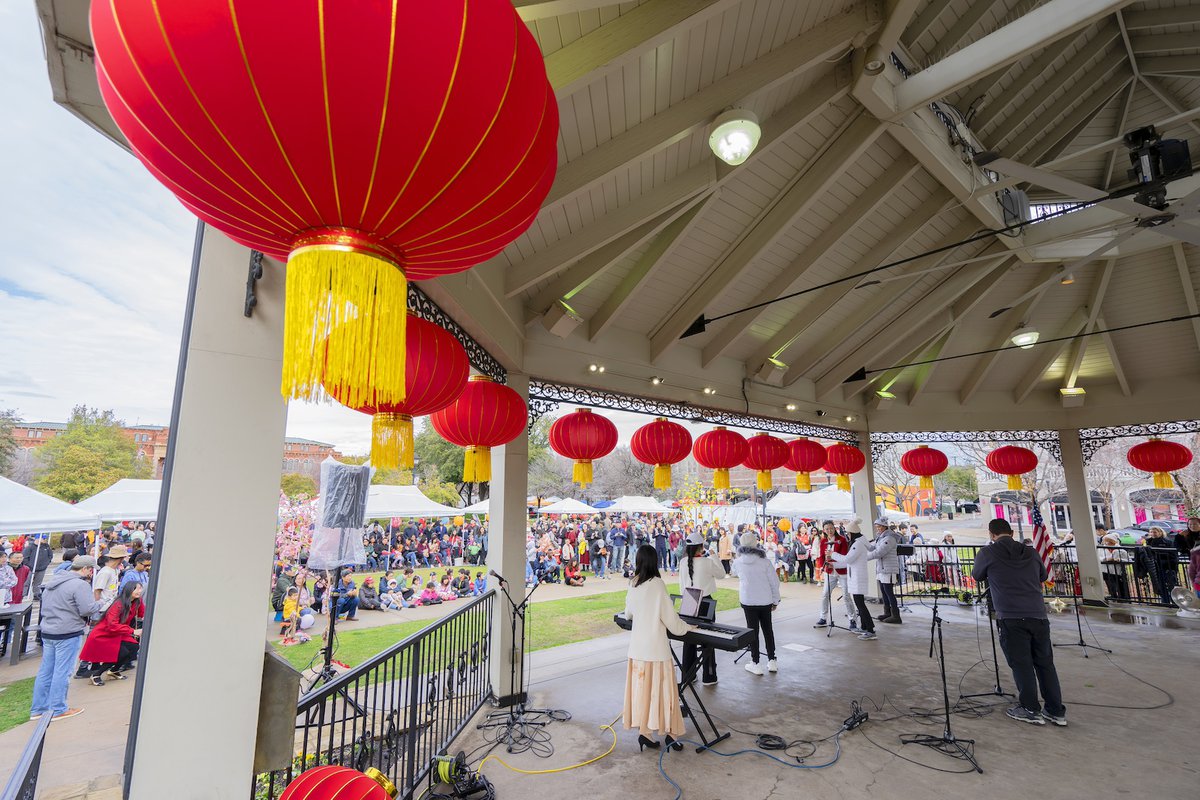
(947,743)
(997,692)
(328,673)
(1079,627)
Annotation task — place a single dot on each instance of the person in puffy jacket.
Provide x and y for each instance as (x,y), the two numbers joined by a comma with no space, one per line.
(68,602)
(759,595)
(855,561)
(888,570)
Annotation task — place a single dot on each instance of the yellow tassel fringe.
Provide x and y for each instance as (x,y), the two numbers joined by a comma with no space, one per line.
(1162,480)
(477,465)
(721,478)
(1014,482)
(843,482)
(803,482)
(392,441)
(344,322)
(764,480)
(582,473)
(662,476)
(926,482)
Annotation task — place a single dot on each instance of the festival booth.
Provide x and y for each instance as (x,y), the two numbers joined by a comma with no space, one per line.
(567,506)
(405,502)
(129,500)
(479,509)
(829,503)
(25,510)
(637,504)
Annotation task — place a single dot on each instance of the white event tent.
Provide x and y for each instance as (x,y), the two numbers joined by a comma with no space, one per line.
(477,508)
(568,506)
(25,510)
(385,502)
(828,503)
(637,504)
(129,499)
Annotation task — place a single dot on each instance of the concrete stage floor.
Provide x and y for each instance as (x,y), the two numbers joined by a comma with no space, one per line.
(1104,753)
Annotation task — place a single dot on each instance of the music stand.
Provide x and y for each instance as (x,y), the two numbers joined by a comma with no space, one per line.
(997,692)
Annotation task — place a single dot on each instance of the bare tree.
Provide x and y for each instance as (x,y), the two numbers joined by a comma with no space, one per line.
(1046,480)
(1109,473)
(890,475)
(550,476)
(619,473)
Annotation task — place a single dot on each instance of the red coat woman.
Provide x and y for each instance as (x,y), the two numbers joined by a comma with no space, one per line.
(112,645)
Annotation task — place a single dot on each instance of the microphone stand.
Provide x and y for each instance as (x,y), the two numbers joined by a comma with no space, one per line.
(997,692)
(1079,627)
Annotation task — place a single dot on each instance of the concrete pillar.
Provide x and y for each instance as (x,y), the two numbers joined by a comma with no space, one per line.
(862,493)
(1081,516)
(195,710)
(506,544)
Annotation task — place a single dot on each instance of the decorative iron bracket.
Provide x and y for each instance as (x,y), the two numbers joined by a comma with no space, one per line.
(1047,440)
(1092,439)
(421,305)
(253,275)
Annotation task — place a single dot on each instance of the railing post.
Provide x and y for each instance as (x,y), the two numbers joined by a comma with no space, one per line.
(414,698)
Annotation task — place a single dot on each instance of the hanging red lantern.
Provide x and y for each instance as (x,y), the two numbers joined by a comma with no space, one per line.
(805,456)
(484,416)
(584,437)
(365,143)
(926,462)
(339,783)
(1161,458)
(764,453)
(1012,461)
(843,461)
(720,450)
(435,372)
(661,443)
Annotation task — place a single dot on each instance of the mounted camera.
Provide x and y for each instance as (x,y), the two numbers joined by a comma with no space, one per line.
(1156,162)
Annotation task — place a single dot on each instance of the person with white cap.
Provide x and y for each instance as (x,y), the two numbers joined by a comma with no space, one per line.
(855,559)
(884,549)
(833,542)
(700,570)
(758,591)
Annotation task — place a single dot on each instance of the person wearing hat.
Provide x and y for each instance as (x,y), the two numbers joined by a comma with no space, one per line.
(855,560)
(67,604)
(700,569)
(108,578)
(884,549)
(833,542)
(758,591)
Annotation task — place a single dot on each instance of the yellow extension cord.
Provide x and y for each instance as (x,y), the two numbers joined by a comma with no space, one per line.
(611,747)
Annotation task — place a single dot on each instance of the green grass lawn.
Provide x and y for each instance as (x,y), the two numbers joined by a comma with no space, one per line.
(15,699)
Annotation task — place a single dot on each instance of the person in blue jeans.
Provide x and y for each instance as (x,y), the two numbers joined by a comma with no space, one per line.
(619,540)
(348,598)
(67,603)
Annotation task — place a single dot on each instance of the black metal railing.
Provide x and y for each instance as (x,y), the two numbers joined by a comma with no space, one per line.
(22,784)
(397,710)
(1141,575)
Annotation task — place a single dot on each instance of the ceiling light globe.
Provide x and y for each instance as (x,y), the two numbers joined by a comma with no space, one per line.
(734,135)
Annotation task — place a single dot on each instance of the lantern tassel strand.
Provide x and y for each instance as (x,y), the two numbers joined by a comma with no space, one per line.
(843,482)
(763,480)
(1014,482)
(721,478)
(392,441)
(344,323)
(477,465)
(1162,480)
(803,482)
(662,476)
(926,482)
(582,473)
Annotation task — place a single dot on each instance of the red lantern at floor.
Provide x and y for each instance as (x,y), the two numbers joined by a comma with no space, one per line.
(584,437)
(484,416)
(366,143)
(764,453)
(435,372)
(1012,461)
(1161,458)
(805,456)
(339,783)
(720,450)
(661,443)
(925,462)
(843,461)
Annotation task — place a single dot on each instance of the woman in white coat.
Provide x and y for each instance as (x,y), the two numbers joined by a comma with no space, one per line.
(855,559)
(651,694)
(700,570)
(758,591)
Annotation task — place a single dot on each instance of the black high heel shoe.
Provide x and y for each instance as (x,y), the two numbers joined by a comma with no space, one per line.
(643,743)
(672,744)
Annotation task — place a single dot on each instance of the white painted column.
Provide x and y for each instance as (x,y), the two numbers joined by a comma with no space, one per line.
(1090,581)
(862,490)
(508,517)
(195,712)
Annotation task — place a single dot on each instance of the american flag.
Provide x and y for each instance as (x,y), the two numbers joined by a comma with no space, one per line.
(1041,539)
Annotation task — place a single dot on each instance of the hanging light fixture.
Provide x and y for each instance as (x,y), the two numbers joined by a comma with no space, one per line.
(734,135)
(1025,338)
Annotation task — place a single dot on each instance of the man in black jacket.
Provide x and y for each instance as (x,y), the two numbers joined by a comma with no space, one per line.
(1015,573)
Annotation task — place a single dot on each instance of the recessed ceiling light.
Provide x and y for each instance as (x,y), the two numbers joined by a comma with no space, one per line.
(709,390)
(1025,338)
(734,136)
(595,368)
(1067,280)
(791,406)
(656,381)
(849,418)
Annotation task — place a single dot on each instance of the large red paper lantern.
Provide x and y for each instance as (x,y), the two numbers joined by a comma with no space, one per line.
(1161,458)
(804,457)
(435,372)
(925,462)
(661,443)
(843,461)
(366,142)
(339,783)
(584,437)
(720,450)
(484,416)
(1012,461)
(764,453)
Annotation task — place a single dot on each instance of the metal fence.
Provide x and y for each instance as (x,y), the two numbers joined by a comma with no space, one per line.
(22,784)
(400,708)
(1141,575)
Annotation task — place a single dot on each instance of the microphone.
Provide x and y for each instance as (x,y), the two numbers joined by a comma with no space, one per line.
(498,577)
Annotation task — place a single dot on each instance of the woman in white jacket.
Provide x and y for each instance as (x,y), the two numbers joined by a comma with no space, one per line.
(855,560)
(759,594)
(651,694)
(701,571)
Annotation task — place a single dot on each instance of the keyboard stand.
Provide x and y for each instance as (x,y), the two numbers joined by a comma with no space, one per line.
(687,686)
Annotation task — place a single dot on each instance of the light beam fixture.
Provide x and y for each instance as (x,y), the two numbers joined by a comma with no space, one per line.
(1072,396)
(598,368)
(734,135)
(791,406)
(656,381)
(1025,338)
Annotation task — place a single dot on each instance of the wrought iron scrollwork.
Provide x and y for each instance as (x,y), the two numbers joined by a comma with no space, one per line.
(1047,440)
(253,274)
(421,305)
(1092,439)
(539,408)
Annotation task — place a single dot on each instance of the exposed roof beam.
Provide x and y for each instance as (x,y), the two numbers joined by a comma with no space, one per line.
(1045,355)
(813,48)
(924,21)
(1189,290)
(1032,148)
(1080,346)
(926,340)
(1165,65)
(1168,99)
(1161,17)
(807,188)
(1113,358)
(1120,131)
(925,371)
(958,31)
(863,206)
(1026,34)
(1163,42)
(925,331)
(644,267)
(897,15)
(1117,143)
(1040,66)
(566,251)
(530,10)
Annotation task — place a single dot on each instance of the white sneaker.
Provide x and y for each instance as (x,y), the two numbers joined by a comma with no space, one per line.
(754,668)
(772,666)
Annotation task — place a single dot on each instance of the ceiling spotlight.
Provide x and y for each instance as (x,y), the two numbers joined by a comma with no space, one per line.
(1067,280)
(849,418)
(709,390)
(791,406)
(656,381)
(777,363)
(1072,391)
(874,63)
(1025,338)
(734,135)
(595,368)
(1072,396)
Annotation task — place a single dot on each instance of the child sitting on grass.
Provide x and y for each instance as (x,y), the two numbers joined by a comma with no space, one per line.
(480,584)
(290,630)
(571,575)
(430,596)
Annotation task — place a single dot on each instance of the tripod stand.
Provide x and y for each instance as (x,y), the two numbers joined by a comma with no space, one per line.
(328,673)
(997,692)
(1079,627)
(946,743)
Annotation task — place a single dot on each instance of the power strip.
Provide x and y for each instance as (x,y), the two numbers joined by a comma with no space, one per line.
(858,717)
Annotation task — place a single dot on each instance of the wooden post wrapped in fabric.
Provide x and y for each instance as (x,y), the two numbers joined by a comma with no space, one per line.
(661,443)
(484,416)
(584,437)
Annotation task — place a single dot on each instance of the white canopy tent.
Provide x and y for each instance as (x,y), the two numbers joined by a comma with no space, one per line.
(737,514)
(25,510)
(385,502)
(477,508)
(129,499)
(828,503)
(637,504)
(568,506)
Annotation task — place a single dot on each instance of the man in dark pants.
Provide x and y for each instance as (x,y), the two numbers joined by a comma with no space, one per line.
(1015,573)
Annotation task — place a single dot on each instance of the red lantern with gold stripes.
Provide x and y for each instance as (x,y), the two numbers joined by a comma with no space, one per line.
(367,143)
(436,371)
(805,456)
(843,460)
(764,453)
(484,416)
(339,783)
(1012,461)
(1160,457)
(720,450)
(661,443)
(925,462)
(584,437)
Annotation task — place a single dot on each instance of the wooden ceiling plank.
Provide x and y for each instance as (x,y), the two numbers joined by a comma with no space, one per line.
(987,112)
(1189,290)
(1168,99)
(1161,17)
(1080,346)
(1120,131)
(1113,358)
(1045,355)
(1033,152)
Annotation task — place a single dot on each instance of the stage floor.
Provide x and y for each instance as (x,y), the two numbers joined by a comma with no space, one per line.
(1105,752)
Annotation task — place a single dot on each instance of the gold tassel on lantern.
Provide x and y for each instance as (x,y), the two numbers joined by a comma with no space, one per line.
(662,476)
(843,482)
(344,321)
(477,465)
(1162,480)
(392,441)
(926,482)
(582,473)
(721,478)
(764,480)
(803,482)
(1014,482)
